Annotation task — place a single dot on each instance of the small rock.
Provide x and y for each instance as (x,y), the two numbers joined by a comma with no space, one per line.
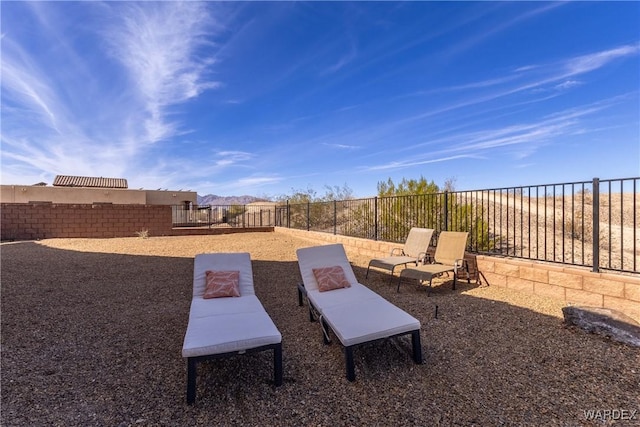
(604,321)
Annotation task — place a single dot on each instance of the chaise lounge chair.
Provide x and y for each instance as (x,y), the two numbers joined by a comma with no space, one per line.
(448,257)
(414,251)
(354,313)
(226,326)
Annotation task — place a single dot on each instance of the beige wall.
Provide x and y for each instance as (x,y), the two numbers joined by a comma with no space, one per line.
(571,285)
(76,195)
(169,197)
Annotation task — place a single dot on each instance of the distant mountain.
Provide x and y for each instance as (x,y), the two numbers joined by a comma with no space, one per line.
(212,199)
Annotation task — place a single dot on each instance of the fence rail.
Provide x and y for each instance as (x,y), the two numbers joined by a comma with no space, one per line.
(590,223)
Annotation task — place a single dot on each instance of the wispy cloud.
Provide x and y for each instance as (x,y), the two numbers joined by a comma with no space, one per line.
(560,76)
(26,86)
(159,48)
(414,162)
(258,181)
(228,158)
(68,111)
(525,137)
(344,60)
(593,61)
(477,38)
(342,146)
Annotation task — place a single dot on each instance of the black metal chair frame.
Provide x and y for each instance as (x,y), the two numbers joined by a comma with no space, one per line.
(348,350)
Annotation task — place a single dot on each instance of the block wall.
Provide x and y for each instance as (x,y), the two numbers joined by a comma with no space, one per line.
(30,221)
(571,285)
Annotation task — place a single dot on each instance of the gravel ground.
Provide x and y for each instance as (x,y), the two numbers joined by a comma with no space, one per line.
(92,333)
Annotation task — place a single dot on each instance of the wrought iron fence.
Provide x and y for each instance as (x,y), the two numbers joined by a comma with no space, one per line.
(591,223)
(246,216)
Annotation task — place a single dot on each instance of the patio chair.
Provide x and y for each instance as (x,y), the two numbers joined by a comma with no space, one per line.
(354,313)
(448,257)
(225,326)
(414,251)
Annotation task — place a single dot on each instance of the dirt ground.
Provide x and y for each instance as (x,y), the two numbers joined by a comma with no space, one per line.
(92,331)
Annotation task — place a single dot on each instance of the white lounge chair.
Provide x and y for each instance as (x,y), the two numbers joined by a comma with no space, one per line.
(355,314)
(448,257)
(413,251)
(223,327)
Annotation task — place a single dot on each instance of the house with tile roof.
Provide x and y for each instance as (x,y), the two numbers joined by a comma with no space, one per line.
(67,189)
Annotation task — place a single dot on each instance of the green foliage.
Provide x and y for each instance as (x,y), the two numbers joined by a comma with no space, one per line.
(467,217)
(309,195)
(358,219)
(411,203)
(407,187)
(235,213)
(419,203)
(308,210)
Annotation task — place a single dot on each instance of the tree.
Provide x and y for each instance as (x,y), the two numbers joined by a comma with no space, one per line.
(419,203)
(407,187)
(309,211)
(411,203)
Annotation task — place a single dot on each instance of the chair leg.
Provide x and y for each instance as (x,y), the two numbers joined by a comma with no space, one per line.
(277,365)
(191,380)
(300,300)
(391,275)
(417,348)
(325,331)
(348,357)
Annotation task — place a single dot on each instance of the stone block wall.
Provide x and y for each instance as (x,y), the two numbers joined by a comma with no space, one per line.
(30,221)
(569,284)
(572,285)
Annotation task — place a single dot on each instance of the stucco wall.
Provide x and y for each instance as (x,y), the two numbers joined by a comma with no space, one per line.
(155,197)
(81,195)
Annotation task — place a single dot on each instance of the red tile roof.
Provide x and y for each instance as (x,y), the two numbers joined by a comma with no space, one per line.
(88,181)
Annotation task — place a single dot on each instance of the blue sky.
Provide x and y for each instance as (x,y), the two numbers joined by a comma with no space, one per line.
(262,98)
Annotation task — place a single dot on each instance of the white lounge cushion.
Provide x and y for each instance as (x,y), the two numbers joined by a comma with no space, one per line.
(229,333)
(368,320)
(201,307)
(356,314)
(224,325)
(349,296)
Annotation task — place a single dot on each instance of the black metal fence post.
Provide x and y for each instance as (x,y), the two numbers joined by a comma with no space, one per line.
(375,218)
(446,211)
(596,225)
(335,217)
(308,216)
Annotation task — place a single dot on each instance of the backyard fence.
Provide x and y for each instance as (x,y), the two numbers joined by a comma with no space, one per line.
(590,223)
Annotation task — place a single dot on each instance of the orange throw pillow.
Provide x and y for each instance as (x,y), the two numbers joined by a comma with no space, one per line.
(222,284)
(330,278)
